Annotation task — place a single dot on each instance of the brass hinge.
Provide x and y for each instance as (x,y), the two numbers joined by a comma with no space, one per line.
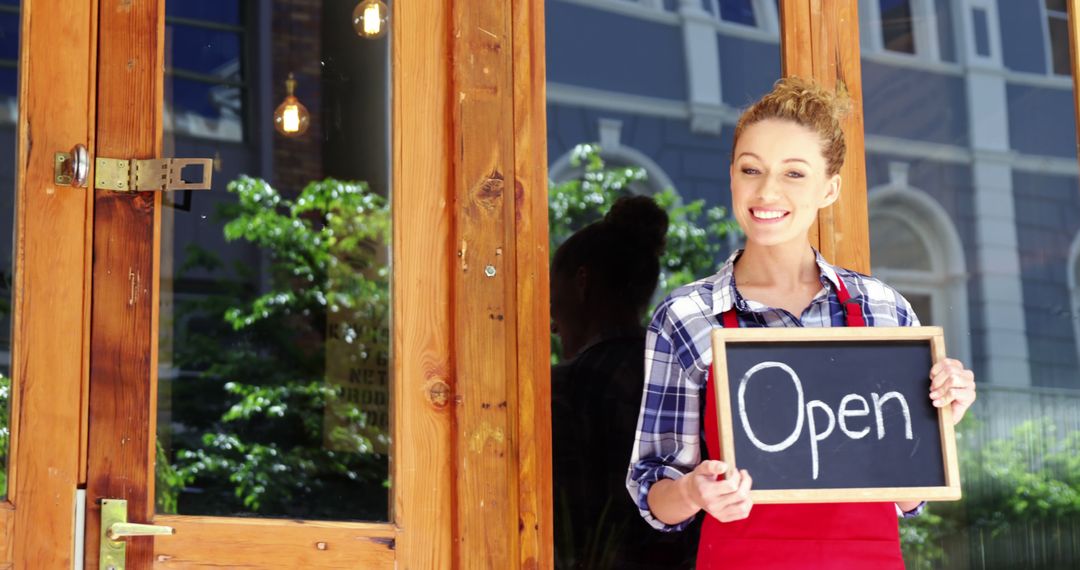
(150,175)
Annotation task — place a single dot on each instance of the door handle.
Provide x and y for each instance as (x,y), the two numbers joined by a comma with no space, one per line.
(71,168)
(114,527)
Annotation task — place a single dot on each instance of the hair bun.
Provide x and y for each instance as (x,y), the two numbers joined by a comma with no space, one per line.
(640,219)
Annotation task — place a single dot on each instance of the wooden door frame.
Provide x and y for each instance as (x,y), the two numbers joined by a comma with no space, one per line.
(50,327)
(440,162)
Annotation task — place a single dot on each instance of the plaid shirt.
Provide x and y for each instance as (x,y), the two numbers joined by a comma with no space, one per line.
(678,353)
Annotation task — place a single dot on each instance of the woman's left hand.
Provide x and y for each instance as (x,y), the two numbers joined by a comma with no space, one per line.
(951,383)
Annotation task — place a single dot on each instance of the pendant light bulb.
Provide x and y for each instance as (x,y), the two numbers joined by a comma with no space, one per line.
(371,19)
(291,118)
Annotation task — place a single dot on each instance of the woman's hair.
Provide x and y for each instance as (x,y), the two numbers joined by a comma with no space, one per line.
(805,103)
(620,252)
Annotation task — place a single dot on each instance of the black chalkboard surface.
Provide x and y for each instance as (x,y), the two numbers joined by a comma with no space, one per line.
(832,415)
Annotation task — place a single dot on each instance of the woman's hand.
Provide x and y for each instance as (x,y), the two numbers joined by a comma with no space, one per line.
(726,500)
(951,383)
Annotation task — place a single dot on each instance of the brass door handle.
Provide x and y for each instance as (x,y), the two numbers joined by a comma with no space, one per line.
(114,528)
(123,530)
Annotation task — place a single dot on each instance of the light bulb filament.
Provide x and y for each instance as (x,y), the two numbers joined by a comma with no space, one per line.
(291,119)
(372,21)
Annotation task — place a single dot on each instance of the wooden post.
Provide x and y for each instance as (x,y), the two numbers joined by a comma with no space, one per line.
(123,344)
(1074,52)
(820,41)
(533,314)
(500,308)
(56,111)
(485,319)
(423,465)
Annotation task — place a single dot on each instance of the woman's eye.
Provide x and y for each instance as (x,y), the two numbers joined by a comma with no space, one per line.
(795,174)
(750,171)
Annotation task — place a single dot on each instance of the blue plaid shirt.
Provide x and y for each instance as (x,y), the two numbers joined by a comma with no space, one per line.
(678,353)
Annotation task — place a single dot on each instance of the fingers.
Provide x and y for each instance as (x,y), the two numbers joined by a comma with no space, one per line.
(735,505)
(950,382)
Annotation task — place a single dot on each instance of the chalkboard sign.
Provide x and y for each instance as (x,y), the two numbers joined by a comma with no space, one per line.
(835,414)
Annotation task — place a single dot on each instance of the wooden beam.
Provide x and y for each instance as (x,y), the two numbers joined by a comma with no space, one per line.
(56,101)
(423,467)
(123,347)
(484,281)
(820,41)
(536,534)
(274,544)
(1074,52)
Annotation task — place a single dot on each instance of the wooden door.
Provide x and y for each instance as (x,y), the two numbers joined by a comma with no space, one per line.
(186,396)
(46,84)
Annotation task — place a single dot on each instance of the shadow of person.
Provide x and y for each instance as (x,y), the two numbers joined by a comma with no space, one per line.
(602,279)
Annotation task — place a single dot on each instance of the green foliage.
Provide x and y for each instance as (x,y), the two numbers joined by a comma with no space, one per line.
(695,232)
(1028,479)
(261,428)
(5,431)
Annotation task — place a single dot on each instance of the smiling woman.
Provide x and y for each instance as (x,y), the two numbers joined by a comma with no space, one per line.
(789,150)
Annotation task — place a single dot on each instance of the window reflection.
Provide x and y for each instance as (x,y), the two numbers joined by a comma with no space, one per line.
(274,392)
(987,178)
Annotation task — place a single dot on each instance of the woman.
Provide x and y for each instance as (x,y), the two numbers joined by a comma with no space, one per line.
(602,279)
(787,152)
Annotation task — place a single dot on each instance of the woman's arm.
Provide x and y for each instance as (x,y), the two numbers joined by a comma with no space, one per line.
(673,501)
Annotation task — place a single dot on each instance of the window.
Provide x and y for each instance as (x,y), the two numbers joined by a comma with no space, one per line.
(915,248)
(761,14)
(897,28)
(1057,35)
(902,27)
(204,69)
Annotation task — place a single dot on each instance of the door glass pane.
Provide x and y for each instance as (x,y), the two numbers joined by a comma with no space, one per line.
(988,176)
(630,117)
(274,354)
(9,116)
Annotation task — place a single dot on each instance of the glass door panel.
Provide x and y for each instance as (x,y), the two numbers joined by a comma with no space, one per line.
(274,346)
(9,117)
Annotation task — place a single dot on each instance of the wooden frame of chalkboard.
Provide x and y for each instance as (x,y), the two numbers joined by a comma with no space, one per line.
(940,481)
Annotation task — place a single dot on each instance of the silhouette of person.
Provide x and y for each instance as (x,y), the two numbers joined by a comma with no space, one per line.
(602,279)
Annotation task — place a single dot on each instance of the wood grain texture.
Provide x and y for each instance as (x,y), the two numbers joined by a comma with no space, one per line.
(121,437)
(422,464)
(7,534)
(1074,53)
(536,534)
(485,313)
(820,40)
(273,544)
(56,106)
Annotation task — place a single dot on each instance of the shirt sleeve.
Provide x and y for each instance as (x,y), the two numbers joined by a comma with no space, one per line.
(912,513)
(667,443)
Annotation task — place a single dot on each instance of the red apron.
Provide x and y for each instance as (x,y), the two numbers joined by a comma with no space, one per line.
(838,536)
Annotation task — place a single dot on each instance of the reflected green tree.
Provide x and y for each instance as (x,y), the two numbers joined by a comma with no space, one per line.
(1025,485)
(256,424)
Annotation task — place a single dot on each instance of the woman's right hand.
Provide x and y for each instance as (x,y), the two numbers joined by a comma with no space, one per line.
(727,499)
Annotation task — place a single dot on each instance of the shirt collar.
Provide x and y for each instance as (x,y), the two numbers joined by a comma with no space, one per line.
(725,295)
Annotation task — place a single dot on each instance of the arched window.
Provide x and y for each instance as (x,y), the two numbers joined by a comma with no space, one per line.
(915,248)
(615,155)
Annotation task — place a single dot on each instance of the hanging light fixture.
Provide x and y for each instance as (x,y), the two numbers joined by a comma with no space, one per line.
(291,118)
(371,18)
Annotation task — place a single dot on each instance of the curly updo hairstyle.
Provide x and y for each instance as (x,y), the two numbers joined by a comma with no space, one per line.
(805,103)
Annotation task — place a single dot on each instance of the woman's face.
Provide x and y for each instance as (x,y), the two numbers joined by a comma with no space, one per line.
(779,182)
